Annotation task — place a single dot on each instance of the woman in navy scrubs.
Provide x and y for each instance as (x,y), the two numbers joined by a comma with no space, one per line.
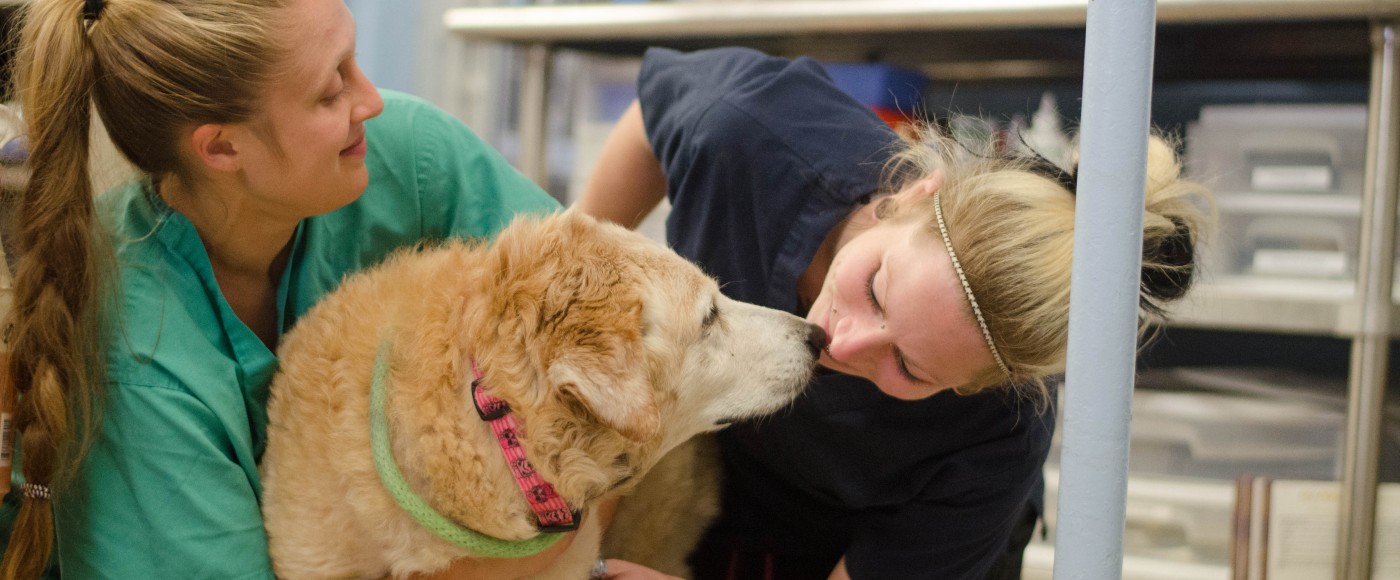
(941,278)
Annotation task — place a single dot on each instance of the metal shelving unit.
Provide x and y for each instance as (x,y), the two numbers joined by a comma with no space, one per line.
(1320,39)
(716,22)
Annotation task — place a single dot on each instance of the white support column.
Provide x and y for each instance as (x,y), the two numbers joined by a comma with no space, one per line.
(1120,38)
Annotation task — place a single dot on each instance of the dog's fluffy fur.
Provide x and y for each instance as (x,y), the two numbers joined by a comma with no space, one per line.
(610,349)
(661,520)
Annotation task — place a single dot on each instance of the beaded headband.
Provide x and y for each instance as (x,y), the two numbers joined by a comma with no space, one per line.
(967,288)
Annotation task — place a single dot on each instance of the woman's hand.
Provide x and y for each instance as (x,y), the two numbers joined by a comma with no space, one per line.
(624,570)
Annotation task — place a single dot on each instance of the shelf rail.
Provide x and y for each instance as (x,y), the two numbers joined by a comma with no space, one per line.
(555,24)
(1371,346)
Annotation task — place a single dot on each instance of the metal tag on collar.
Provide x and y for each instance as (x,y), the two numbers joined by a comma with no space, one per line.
(568,526)
(488,407)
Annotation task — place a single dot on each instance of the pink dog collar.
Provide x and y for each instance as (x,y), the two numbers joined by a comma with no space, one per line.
(553,513)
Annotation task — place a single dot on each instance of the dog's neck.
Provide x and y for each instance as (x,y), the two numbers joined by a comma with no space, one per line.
(551,512)
(460,470)
(448,454)
(451,456)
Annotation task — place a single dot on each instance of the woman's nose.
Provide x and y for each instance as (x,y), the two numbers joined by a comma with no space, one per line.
(853,340)
(370,103)
(370,106)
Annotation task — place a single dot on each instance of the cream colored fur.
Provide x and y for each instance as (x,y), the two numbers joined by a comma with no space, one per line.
(662,519)
(610,348)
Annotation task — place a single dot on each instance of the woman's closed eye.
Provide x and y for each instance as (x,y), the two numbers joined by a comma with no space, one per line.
(870,291)
(900,363)
(342,84)
(333,93)
(904,367)
(333,97)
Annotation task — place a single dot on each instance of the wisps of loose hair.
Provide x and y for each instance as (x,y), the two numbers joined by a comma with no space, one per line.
(1010,219)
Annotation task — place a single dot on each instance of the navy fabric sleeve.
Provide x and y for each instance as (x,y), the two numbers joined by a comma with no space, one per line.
(954,538)
(736,132)
(897,487)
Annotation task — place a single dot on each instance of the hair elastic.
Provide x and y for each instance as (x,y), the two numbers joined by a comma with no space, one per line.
(93,9)
(35,491)
(967,288)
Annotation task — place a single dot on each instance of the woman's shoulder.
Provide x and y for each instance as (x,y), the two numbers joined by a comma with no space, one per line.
(159,314)
(408,118)
(400,105)
(684,85)
(723,66)
(413,133)
(785,114)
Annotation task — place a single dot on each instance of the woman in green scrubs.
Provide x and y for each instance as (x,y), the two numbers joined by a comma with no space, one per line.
(146,321)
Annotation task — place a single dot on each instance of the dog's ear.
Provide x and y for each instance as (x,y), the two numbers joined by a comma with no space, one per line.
(589,323)
(614,388)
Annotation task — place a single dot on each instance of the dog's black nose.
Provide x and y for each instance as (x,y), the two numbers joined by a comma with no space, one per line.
(816,339)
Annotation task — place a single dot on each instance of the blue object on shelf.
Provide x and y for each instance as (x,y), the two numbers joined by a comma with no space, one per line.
(880,85)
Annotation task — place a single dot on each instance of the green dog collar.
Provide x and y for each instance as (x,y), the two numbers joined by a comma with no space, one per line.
(425,515)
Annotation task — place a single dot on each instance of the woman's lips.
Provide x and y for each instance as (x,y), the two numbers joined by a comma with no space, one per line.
(356,148)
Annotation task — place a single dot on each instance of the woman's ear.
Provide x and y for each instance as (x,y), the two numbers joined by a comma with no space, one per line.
(213,146)
(921,189)
(924,188)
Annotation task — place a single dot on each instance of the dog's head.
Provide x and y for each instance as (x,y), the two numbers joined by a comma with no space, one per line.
(612,349)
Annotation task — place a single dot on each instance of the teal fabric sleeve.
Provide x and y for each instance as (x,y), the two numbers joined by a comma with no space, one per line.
(164,498)
(468,189)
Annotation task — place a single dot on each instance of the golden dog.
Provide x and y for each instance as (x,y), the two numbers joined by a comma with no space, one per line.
(609,349)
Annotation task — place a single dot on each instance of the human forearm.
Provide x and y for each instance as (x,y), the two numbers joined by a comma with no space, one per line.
(627,182)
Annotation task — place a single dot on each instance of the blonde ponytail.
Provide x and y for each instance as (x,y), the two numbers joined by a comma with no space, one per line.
(152,69)
(54,357)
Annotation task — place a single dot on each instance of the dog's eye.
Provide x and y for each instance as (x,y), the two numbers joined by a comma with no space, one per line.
(710,318)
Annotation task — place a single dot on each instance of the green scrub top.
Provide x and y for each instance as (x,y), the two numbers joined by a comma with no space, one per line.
(170,487)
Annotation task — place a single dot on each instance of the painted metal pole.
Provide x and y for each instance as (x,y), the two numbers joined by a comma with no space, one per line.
(1370,348)
(1119,42)
(534,113)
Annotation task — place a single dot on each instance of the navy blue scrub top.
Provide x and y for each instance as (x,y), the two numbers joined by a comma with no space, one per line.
(763,156)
